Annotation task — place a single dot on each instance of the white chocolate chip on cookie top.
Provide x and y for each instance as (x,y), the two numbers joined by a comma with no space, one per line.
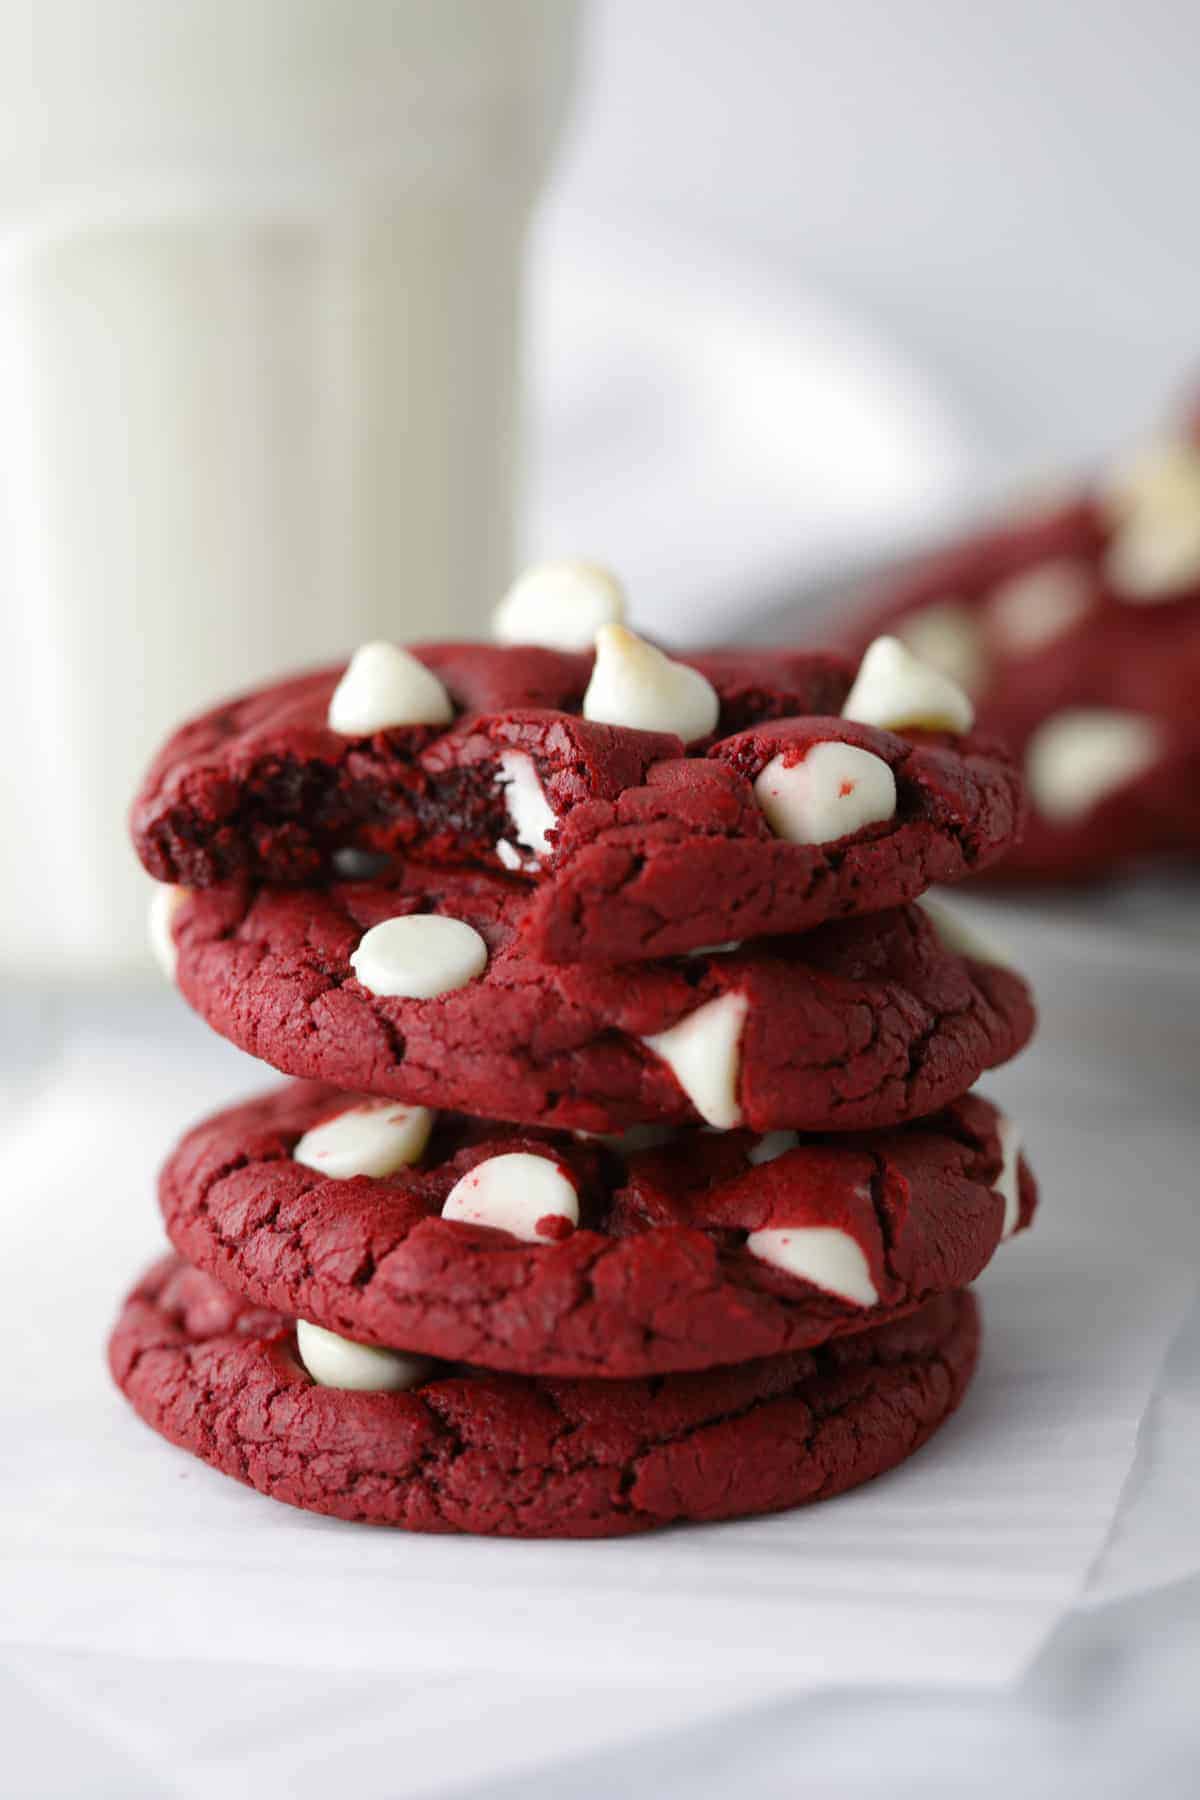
(376,1139)
(1026,612)
(895,691)
(383,688)
(1154,502)
(528,1196)
(418,956)
(946,635)
(635,685)
(824,1255)
(559,606)
(1155,559)
(832,790)
(1077,758)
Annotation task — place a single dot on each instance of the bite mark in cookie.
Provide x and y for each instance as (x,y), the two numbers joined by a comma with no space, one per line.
(638,843)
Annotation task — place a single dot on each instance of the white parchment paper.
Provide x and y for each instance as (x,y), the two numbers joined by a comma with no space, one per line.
(952,1570)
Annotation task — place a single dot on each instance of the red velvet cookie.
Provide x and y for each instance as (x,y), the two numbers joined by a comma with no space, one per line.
(463,1451)
(639,844)
(420,989)
(711,1248)
(1079,641)
(689,857)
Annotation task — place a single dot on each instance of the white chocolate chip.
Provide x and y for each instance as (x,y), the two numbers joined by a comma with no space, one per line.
(338,1362)
(1153,559)
(634,684)
(559,606)
(771,1145)
(703,1053)
(895,691)
(1008,1182)
(1029,611)
(821,1254)
(726,949)
(1075,759)
(514,1193)
(419,956)
(164,904)
(833,790)
(946,635)
(531,813)
(1162,477)
(385,687)
(374,1139)
(1154,501)
(961,939)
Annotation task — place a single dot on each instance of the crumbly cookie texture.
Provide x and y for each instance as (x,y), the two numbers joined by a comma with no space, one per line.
(264,784)
(467,1451)
(655,804)
(617,1261)
(859,1024)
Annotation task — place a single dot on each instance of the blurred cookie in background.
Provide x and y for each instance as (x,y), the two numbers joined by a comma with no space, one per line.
(1075,626)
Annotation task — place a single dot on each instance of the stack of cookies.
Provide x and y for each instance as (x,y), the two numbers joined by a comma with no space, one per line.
(629,1171)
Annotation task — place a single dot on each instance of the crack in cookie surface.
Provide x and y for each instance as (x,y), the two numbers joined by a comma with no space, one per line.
(471,1452)
(641,826)
(860,1024)
(656,1277)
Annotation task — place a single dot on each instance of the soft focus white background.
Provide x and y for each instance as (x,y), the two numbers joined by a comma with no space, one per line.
(808,284)
(957,237)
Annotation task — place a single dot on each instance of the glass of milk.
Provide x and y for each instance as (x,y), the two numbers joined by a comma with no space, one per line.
(260,285)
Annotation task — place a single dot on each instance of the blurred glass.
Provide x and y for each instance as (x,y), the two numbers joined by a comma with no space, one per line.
(260,284)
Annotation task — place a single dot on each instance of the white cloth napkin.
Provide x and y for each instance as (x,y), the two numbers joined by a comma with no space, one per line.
(952,1570)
